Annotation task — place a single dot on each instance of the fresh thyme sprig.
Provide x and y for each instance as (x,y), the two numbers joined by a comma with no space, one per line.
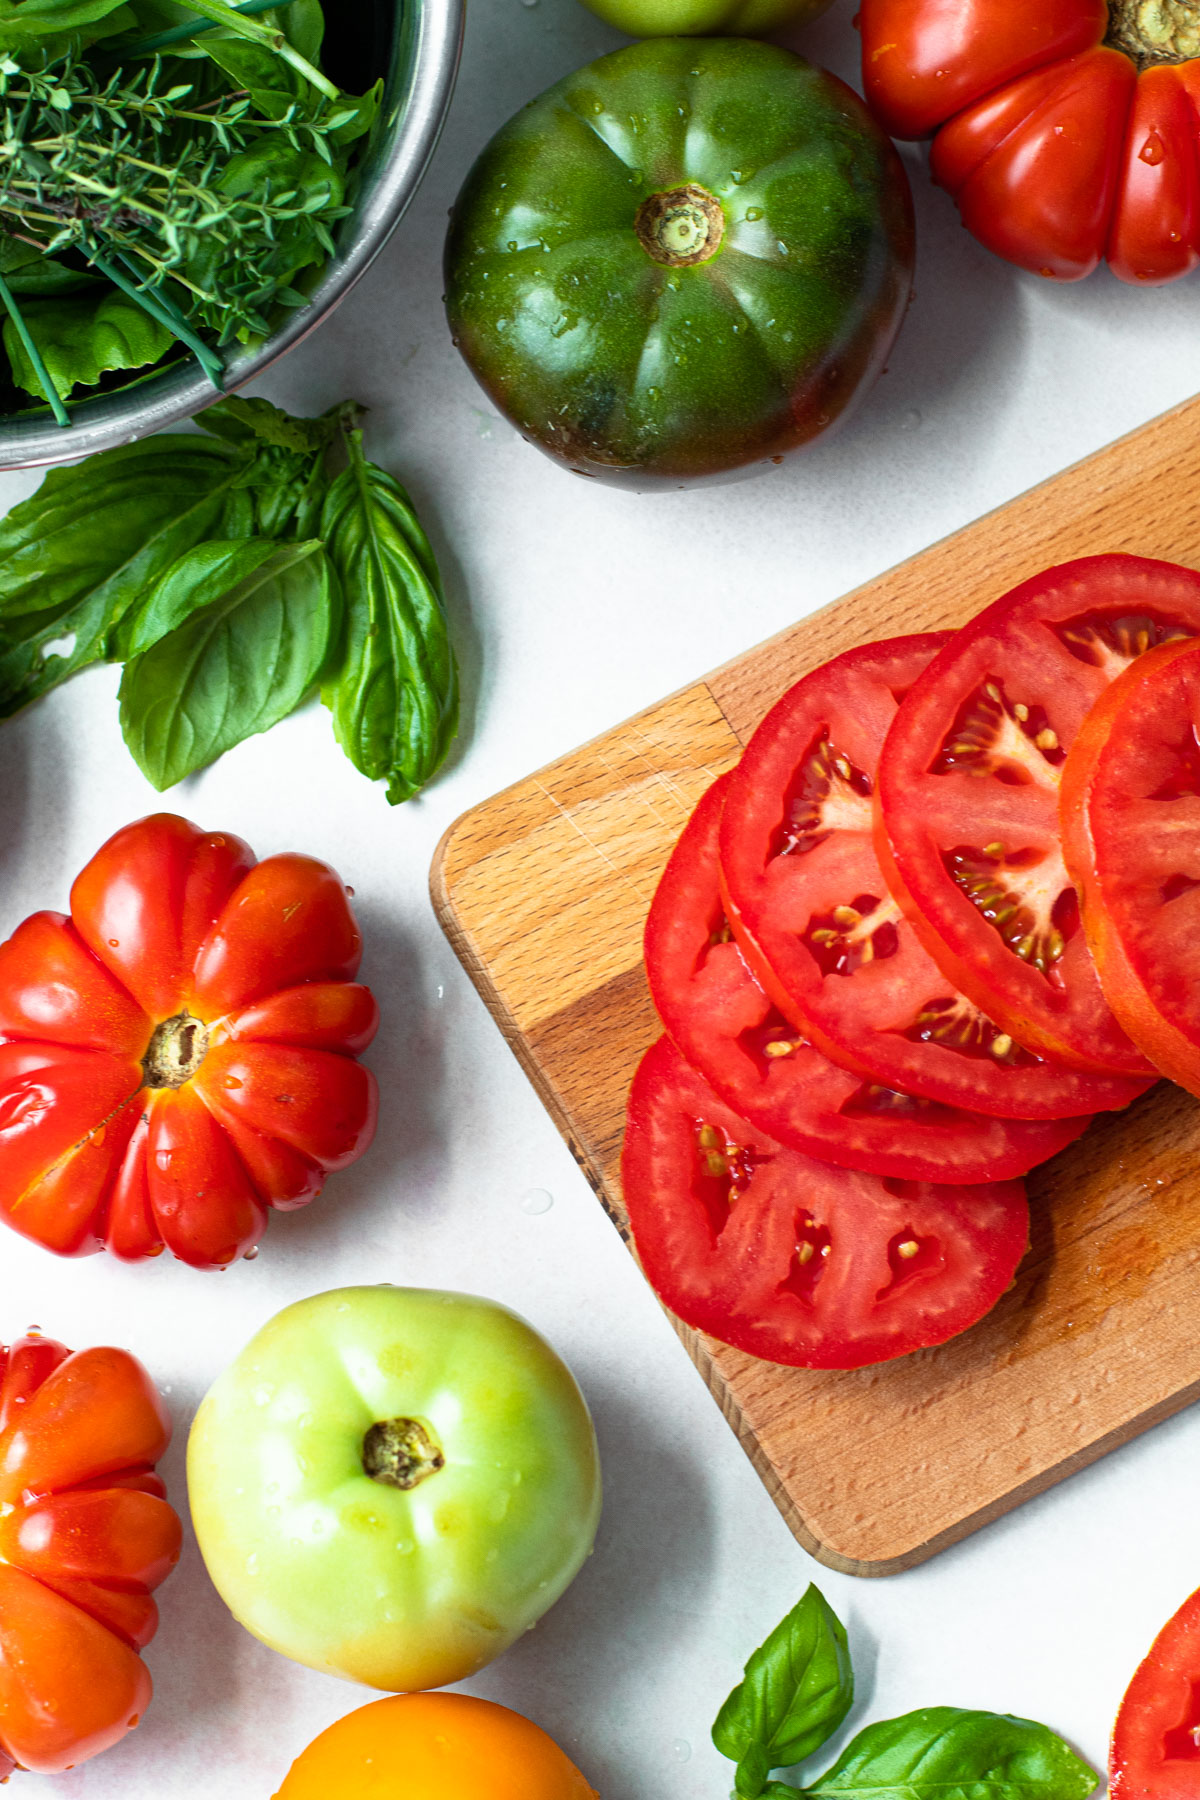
(128,169)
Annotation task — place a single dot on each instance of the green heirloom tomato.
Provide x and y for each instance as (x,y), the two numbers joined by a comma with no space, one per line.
(391,1484)
(689,256)
(696,18)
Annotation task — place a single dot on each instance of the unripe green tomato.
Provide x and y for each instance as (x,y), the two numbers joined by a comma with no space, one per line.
(392,1484)
(702,18)
(688,257)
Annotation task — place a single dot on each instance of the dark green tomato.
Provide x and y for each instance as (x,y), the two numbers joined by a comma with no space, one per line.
(686,257)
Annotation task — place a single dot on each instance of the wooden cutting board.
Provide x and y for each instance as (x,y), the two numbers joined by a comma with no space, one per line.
(543,893)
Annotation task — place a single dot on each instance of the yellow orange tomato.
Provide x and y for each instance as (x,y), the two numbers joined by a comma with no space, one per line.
(434,1747)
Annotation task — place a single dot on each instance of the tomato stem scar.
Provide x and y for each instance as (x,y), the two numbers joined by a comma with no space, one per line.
(176,1050)
(681,226)
(401,1453)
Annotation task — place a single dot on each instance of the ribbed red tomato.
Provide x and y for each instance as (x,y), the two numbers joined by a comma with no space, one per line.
(793,1260)
(719,1017)
(85,1535)
(1067,130)
(178,1055)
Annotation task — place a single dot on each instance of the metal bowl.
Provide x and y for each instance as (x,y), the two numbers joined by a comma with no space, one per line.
(425,43)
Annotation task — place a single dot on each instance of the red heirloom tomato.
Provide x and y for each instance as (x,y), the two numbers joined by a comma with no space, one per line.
(1155,1751)
(178,1055)
(727,1028)
(790,1259)
(969,784)
(1130,806)
(1069,129)
(811,906)
(85,1534)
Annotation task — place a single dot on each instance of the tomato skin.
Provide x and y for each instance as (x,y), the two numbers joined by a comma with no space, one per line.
(397,1588)
(434,1747)
(1051,645)
(720,1020)
(635,370)
(1124,863)
(85,1535)
(722,1250)
(1153,1755)
(98,1148)
(1058,147)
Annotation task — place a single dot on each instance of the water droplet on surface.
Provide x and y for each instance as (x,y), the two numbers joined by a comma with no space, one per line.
(911,420)
(1153,150)
(681,1750)
(251,1253)
(536,1200)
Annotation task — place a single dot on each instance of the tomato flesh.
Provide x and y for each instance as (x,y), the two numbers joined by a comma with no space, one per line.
(969,794)
(1155,1753)
(724,1024)
(1131,837)
(811,908)
(85,1535)
(793,1260)
(178,1056)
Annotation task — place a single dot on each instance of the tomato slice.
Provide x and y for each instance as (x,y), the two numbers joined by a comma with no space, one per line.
(808,901)
(791,1259)
(968,794)
(1155,1752)
(723,1023)
(1130,807)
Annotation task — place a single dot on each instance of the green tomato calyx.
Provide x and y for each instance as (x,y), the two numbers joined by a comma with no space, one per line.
(176,1050)
(684,225)
(401,1453)
(1154,31)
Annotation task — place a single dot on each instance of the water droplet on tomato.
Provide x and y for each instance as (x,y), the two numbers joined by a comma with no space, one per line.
(231,1081)
(753,213)
(1153,150)
(163,1159)
(114,943)
(781,246)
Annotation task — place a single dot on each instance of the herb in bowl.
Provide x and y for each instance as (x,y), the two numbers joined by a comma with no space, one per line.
(168,174)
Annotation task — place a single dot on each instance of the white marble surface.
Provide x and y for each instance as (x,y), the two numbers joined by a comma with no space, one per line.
(566,624)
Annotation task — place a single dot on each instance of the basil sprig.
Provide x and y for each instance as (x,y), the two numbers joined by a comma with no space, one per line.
(797,1689)
(234,574)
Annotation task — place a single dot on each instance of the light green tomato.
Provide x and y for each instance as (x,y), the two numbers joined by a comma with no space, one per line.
(704,18)
(481,1508)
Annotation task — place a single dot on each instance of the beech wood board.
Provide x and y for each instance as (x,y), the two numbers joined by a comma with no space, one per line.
(543,892)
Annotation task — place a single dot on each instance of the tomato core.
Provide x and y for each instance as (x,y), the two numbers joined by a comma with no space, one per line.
(177,1049)
(1154,31)
(401,1453)
(681,226)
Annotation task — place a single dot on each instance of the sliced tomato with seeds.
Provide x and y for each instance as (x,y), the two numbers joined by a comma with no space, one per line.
(968,794)
(1130,809)
(791,1259)
(721,1020)
(808,901)
(1155,1752)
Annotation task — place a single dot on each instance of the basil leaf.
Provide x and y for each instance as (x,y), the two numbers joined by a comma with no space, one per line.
(31,20)
(201,575)
(797,1689)
(942,1753)
(236,667)
(80,339)
(247,421)
(394,693)
(77,554)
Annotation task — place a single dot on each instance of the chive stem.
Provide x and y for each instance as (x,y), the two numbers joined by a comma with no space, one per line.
(33,353)
(179,34)
(160,307)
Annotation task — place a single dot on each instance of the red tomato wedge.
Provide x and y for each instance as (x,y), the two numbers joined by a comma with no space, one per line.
(1155,1752)
(1130,806)
(727,1028)
(968,794)
(808,901)
(790,1259)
